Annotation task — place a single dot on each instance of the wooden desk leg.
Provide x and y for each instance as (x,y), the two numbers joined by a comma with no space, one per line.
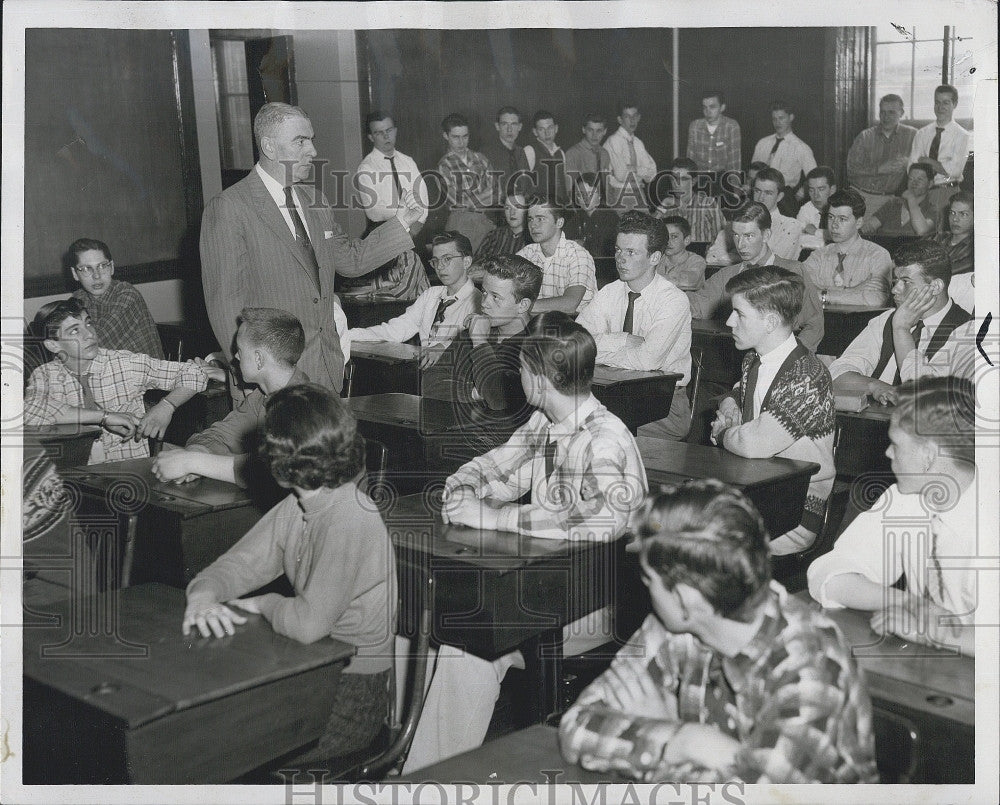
(543,661)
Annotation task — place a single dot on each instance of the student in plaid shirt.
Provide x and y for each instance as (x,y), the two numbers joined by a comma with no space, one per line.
(117,310)
(88,385)
(583,471)
(729,678)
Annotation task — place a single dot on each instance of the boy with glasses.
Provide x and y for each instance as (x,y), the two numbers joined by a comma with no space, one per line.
(117,310)
(438,313)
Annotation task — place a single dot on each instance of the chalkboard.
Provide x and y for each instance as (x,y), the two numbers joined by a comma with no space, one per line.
(110,152)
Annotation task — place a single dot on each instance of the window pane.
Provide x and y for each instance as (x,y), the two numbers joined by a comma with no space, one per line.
(927,76)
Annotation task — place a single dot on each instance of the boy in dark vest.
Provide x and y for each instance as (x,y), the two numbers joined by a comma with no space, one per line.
(925,334)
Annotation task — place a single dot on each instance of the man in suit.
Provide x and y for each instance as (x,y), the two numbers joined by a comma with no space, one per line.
(269,242)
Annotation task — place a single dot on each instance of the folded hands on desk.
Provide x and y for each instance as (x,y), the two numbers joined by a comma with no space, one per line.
(460,506)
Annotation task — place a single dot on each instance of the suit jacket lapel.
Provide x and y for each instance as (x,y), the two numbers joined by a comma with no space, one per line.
(271,216)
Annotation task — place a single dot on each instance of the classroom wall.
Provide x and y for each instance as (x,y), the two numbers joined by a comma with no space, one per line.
(164,299)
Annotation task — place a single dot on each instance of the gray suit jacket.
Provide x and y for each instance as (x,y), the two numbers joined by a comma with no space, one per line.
(249,258)
(711,301)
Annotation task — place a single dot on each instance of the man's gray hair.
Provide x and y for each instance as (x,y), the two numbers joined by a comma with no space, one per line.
(271,116)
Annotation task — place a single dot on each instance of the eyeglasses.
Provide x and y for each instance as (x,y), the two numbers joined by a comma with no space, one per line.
(443,260)
(93,271)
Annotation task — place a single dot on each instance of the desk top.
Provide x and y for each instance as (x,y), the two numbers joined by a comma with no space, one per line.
(414,522)
(845,310)
(530,755)
(926,679)
(426,414)
(387,351)
(668,461)
(133,481)
(711,328)
(612,375)
(874,412)
(136,666)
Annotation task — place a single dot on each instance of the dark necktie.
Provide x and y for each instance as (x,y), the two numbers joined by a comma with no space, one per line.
(627,326)
(935,143)
(88,394)
(597,162)
(777,142)
(750,387)
(301,235)
(395,178)
(839,270)
(915,332)
(824,219)
(633,160)
(443,305)
(550,458)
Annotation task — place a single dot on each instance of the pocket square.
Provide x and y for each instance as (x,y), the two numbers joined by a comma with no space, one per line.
(327,234)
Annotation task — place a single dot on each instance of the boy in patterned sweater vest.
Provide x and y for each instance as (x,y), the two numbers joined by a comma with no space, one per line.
(783,403)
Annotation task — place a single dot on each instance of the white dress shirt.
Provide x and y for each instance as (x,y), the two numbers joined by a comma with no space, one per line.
(617,148)
(769,366)
(809,214)
(897,536)
(661,316)
(793,157)
(418,318)
(378,195)
(956,357)
(953,152)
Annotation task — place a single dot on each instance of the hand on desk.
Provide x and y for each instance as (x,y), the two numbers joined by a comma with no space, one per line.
(727,416)
(460,506)
(882,392)
(174,465)
(431,355)
(703,745)
(211,617)
(919,620)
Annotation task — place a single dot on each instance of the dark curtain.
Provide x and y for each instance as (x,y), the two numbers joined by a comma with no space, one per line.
(847,66)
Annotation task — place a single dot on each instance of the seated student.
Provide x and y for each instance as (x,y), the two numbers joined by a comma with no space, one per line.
(508,238)
(327,538)
(269,342)
(891,348)
(482,365)
(683,268)
(751,232)
(89,385)
(546,159)
(958,237)
(783,403)
(643,321)
(912,214)
(813,216)
(468,182)
(569,278)
(592,225)
(701,209)
(585,477)
(117,310)
(439,312)
(915,521)
(729,677)
(850,270)
(786,234)
(721,251)
(588,156)
(785,151)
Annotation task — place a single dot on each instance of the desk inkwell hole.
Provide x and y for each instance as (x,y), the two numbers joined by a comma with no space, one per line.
(939,700)
(104,689)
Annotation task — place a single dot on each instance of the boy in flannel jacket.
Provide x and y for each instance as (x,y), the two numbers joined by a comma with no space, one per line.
(89,385)
(783,402)
(729,678)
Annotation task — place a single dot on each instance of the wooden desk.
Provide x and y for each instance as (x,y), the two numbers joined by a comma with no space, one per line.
(933,689)
(382,367)
(367,310)
(777,486)
(530,755)
(635,397)
(497,591)
(129,699)
(842,324)
(721,361)
(178,529)
(862,439)
(67,445)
